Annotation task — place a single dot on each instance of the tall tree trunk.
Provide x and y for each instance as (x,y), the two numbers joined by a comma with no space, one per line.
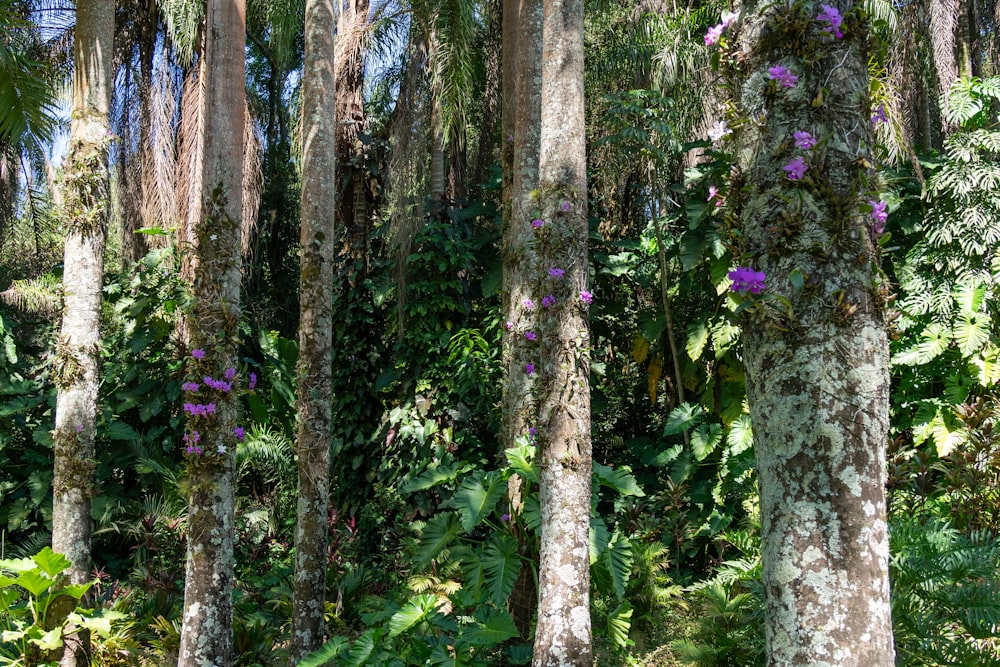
(85,215)
(207,633)
(352,206)
(562,636)
(313,404)
(817,371)
(522,106)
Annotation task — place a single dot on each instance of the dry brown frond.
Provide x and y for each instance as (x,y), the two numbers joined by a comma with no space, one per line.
(253,180)
(37,296)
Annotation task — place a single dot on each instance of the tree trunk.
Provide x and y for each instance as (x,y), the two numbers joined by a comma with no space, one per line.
(817,370)
(207,633)
(522,106)
(313,404)
(562,636)
(85,215)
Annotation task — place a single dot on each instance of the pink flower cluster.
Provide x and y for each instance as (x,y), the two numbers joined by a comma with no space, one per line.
(745,279)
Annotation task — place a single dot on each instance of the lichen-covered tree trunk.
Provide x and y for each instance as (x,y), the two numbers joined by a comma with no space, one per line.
(313,403)
(85,214)
(522,109)
(562,635)
(815,344)
(213,327)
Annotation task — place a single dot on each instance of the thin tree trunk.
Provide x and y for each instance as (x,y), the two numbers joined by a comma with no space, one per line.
(313,404)
(562,636)
(86,209)
(817,371)
(207,632)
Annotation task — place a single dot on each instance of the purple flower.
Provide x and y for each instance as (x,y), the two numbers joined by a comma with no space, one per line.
(505,517)
(198,354)
(537,223)
(190,386)
(530,335)
(532,432)
(239,433)
(586,296)
(79,428)
(528,304)
(510,325)
(548,301)
(192,438)
(229,374)
(804,140)
(529,368)
(879,116)
(556,273)
(713,192)
(253,381)
(796,168)
(784,75)
(832,16)
(879,215)
(210,409)
(714,34)
(564,206)
(745,279)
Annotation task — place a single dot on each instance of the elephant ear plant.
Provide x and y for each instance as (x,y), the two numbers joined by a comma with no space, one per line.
(28,588)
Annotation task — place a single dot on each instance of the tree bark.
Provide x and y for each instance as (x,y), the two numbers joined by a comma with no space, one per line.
(817,368)
(85,213)
(313,404)
(207,632)
(562,635)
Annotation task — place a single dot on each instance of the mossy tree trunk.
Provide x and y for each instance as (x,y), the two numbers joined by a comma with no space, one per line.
(562,635)
(521,108)
(815,345)
(85,215)
(213,326)
(313,403)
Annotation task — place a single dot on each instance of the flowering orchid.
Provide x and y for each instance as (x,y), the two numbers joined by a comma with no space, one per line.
(783,75)
(879,215)
(556,272)
(528,304)
(529,369)
(253,381)
(564,206)
(198,354)
(240,433)
(796,168)
(530,335)
(745,279)
(190,386)
(586,296)
(832,16)
(804,140)
(719,130)
(879,116)
(548,301)
(537,223)
(714,34)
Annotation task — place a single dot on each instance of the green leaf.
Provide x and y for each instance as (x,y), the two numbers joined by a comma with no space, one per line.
(797,279)
(415,610)
(501,565)
(619,624)
(618,558)
(476,498)
(620,479)
(520,459)
(435,476)
(697,338)
(740,436)
(48,641)
(935,341)
(599,538)
(532,512)
(969,295)
(495,626)
(51,563)
(363,647)
(971,332)
(705,439)
(683,417)
(33,582)
(436,536)
(98,624)
(119,431)
(325,654)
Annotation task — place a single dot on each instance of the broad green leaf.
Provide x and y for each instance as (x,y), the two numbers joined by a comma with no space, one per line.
(521,461)
(934,341)
(98,624)
(450,653)
(532,512)
(476,498)
(18,565)
(437,535)
(415,610)
(969,295)
(325,654)
(620,479)
(740,436)
(77,591)
(33,582)
(363,647)
(971,332)
(434,476)
(705,439)
(697,337)
(501,565)
(599,537)
(618,558)
(683,417)
(48,641)
(495,626)
(619,624)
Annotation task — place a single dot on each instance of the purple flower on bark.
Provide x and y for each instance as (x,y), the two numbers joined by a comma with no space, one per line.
(879,215)
(831,15)
(537,223)
(548,301)
(745,279)
(564,206)
(783,75)
(532,432)
(796,168)
(198,354)
(239,433)
(510,325)
(530,335)
(714,34)
(718,130)
(190,386)
(229,374)
(586,296)
(556,273)
(528,304)
(529,369)
(804,140)
(879,116)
